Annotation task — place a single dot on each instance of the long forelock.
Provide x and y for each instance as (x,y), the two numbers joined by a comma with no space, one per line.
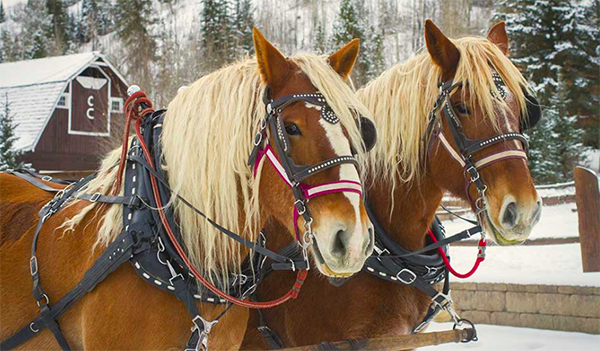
(403,96)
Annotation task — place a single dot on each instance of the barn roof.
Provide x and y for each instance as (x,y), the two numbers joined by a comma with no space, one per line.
(33,88)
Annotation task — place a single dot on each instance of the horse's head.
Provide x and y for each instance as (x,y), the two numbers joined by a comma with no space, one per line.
(306,132)
(476,148)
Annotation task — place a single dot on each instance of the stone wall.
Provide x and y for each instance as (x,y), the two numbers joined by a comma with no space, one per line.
(569,308)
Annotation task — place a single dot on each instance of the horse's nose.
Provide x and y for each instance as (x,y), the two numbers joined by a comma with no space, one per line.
(340,243)
(510,216)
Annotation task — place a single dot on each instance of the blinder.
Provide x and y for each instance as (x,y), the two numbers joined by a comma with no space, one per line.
(368,132)
(533,111)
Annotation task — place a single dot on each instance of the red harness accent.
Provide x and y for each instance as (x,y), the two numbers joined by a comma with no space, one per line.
(133,107)
(480,258)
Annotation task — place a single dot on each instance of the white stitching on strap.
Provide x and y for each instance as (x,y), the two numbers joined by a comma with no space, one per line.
(335,186)
(494,157)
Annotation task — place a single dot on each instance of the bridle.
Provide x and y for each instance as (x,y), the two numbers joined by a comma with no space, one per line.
(467,148)
(291,173)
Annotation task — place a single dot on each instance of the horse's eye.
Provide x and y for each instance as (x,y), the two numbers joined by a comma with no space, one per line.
(462,109)
(292,129)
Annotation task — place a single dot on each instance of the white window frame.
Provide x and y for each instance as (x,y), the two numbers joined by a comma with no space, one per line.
(120,101)
(67,104)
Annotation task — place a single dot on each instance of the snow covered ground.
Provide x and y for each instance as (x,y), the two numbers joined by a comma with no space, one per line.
(540,264)
(558,221)
(500,338)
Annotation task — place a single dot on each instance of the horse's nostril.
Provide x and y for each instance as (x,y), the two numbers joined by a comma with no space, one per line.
(538,212)
(509,219)
(339,243)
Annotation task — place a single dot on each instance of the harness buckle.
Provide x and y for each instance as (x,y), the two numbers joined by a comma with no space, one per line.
(300,206)
(444,301)
(47,178)
(473,173)
(95,197)
(33,266)
(411,279)
(258,138)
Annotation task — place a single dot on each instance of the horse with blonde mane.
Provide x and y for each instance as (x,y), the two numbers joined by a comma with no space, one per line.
(410,169)
(207,135)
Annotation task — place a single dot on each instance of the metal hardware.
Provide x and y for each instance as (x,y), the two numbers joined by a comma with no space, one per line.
(95,197)
(204,332)
(407,281)
(47,302)
(33,266)
(31,328)
(47,178)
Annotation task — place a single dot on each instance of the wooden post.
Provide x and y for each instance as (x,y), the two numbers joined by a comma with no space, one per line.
(393,343)
(587,197)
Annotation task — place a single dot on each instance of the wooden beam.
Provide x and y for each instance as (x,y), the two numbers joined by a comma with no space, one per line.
(587,197)
(394,343)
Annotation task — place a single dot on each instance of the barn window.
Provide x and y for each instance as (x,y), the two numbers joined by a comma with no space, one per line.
(63,101)
(116,105)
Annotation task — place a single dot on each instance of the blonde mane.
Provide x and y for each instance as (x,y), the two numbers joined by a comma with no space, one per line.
(403,96)
(207,138)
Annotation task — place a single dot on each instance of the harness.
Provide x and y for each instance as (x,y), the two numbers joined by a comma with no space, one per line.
(425,267)
(150,240)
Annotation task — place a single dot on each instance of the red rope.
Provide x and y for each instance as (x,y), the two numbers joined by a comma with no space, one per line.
(135,100)
(480,258)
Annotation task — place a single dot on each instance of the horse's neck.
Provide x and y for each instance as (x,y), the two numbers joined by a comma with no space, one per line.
(414,205)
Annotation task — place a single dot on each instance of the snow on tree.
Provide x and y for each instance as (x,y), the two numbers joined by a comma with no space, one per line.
(243,24)
(35,24)
(61,29)
(133,20)
(218,36)
(8,155)
(352,23)
(320,46)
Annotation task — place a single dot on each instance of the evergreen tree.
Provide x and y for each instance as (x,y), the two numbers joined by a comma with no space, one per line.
(320,45)
(348,26)
(2,12)
(570,148)
(133,19)
(544,157)
(8,155)
(374,52)
(243,23)
(60,32)
(35,28)
(218,36)
(549,38)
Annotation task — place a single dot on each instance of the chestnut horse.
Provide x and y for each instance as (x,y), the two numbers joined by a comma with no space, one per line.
(207,136)
(408,177)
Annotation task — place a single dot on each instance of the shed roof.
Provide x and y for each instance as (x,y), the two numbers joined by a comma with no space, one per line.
(33,87)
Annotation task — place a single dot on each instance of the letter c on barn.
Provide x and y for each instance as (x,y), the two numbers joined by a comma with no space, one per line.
(90,111)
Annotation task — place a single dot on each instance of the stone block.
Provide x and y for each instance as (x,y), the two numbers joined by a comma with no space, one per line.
(464,286)
(491,286)
(493,301)
(505,318)
(521,302)
(539,321)
(577,290)
(580,324)
(584,306)
(477,316)
(464,299)
(558,304)
(549,289)
(516,287)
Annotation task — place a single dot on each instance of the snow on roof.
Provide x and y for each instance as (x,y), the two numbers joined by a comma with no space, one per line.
(33,88)
(44,70)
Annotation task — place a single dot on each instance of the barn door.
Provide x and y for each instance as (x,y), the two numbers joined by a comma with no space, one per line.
(90,104)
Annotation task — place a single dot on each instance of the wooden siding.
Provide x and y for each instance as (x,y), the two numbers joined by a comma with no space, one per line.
(57,150)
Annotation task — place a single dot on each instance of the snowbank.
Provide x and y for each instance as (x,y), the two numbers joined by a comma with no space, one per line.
(540,264)
(499,338)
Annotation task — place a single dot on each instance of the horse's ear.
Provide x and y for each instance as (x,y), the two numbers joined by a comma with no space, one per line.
(271,63)
(343,60)
(498,36)
(442,51)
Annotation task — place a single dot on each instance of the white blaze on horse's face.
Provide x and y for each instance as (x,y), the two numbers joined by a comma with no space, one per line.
(512,215)
(355,236)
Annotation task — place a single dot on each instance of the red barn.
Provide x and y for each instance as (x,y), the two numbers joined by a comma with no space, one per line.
(68,109)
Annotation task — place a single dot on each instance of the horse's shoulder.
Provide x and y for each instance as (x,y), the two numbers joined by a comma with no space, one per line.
(19,205)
